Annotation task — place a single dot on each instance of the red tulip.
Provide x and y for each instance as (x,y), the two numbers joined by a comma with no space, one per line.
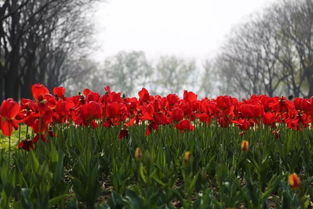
(27,145)
(172,99)
(294,181)
(123,134)
(90,111)
(39,91)
(177,114)
(184,125)
(250,110)
(59,91)
(8,111)
(190,96)
(144,95)
(243,124)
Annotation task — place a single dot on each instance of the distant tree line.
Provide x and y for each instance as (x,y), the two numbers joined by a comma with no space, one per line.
(128,72)
(46,41)
(270,54)
(39,42)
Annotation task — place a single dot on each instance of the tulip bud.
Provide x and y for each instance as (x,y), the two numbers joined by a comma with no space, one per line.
(244,146)
(294,181)
(242,133)
(276,134)
(138,153)
(187,157)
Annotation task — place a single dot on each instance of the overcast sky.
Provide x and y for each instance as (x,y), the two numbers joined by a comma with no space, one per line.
(188,28)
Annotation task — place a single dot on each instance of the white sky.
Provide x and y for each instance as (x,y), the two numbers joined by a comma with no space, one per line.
(187,28)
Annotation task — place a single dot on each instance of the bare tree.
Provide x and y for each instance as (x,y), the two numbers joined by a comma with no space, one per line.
(272,53)
(295,24)
(240,62)
(207,79)
(173,75)
(37,40)
(83,75)
(125,72)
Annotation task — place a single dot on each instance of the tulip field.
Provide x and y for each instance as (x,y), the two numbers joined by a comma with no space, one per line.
(94,151)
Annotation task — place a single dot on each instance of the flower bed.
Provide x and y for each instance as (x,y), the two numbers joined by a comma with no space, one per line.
(106,151)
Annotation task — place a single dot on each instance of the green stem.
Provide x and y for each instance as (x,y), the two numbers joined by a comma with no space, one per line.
(27,132)
(9,150)
(19,134)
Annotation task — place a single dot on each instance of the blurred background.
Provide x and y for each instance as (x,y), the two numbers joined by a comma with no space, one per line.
(211,47)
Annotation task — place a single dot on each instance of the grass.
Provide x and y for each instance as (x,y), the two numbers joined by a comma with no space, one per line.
(4,140)
(91,169)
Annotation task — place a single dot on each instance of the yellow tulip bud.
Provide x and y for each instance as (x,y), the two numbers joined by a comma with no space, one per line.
(244,146)
(187,157)
(138,153)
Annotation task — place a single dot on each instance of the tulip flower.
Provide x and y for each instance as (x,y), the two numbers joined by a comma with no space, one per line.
(27,144)
(39,91)
(59,91)
(294,181)
(123,134)
(184,125)
(244,146)
(8,111)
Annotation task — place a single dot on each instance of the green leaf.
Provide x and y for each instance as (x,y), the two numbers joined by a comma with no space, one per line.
(59,198)
(35,161)
(142,172)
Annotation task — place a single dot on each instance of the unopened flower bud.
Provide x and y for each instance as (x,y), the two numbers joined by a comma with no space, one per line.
(294,181)
(138,153)
(244,146)
(187,157)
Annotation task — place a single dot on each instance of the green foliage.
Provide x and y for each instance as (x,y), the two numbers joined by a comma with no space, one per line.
(92,169)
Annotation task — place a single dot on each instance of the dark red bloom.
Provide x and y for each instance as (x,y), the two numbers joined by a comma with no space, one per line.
(27,145)
(123,134)
(223,122)
(151,126)
(184,125)
(276,133)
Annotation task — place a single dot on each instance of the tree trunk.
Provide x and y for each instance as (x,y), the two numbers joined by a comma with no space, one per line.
(309,77)
(1,83)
